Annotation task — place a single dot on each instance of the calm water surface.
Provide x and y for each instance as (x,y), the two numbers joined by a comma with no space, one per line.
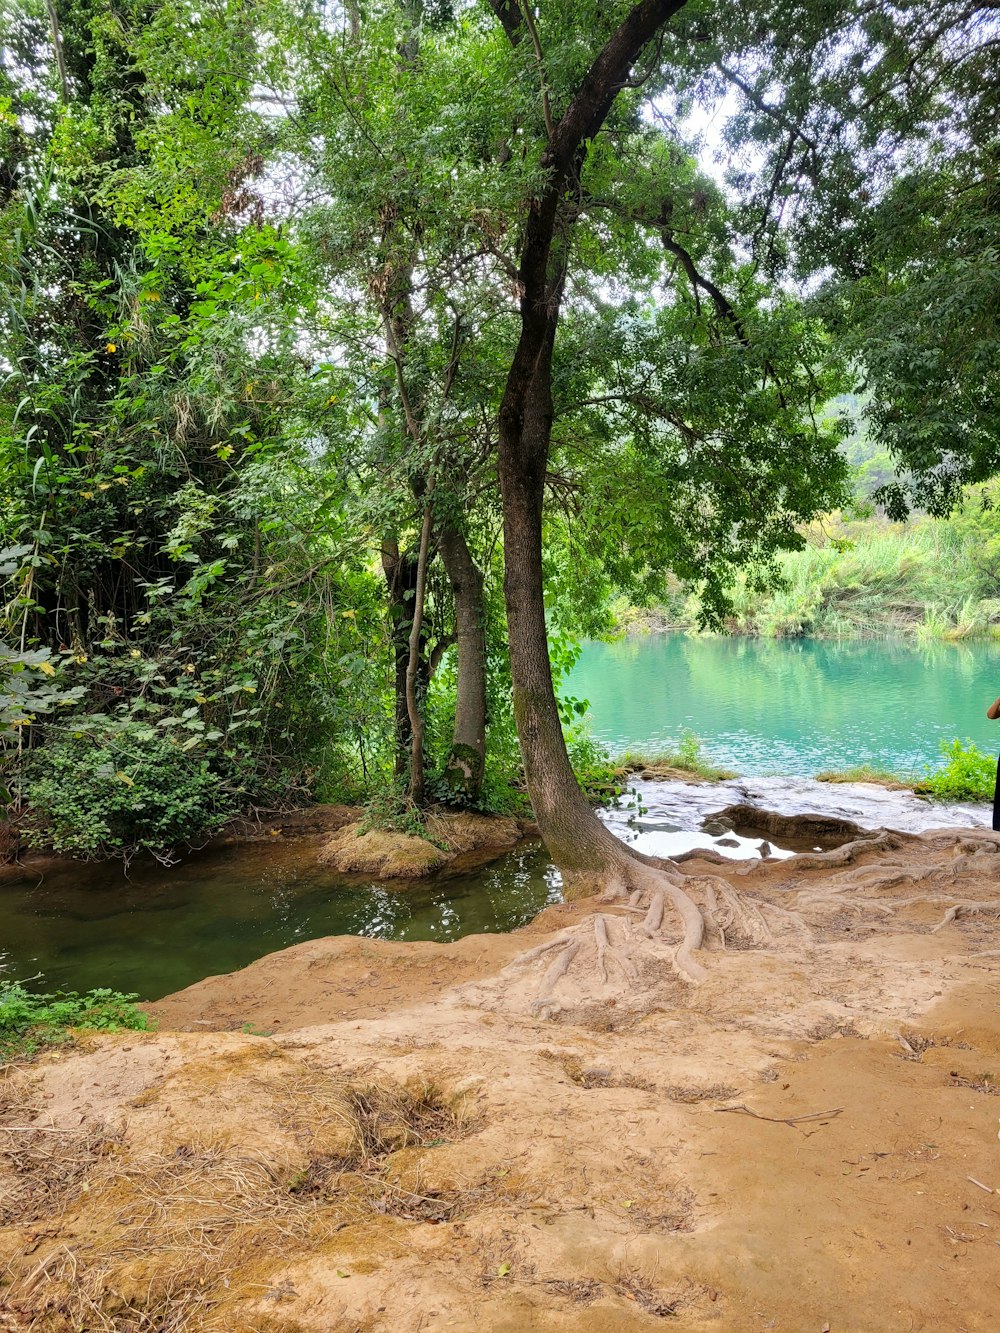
(791,706)
(159,929)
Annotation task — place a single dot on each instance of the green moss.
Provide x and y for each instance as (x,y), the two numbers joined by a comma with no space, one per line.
(884,777)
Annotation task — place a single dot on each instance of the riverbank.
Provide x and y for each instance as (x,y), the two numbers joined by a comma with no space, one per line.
(152,929)
(805,1139)
(928,579)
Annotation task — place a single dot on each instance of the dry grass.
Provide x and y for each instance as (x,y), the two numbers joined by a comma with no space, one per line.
(832,1027)
(593,1076)
(914,1044)
(709,1092)
(986,1083)
(168,1240)
(582,1291)
(659,1303)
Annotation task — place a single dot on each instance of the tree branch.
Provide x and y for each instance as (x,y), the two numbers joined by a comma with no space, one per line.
(57,44)
(529,20)
(722,303)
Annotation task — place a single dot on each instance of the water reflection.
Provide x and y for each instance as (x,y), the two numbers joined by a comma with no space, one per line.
(158,929)
(791,706)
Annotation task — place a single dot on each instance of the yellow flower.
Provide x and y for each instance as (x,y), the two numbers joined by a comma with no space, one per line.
(135,653)
(111,347)
(87,495)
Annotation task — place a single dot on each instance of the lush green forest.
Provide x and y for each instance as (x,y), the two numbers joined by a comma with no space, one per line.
(358,360)
(929,578)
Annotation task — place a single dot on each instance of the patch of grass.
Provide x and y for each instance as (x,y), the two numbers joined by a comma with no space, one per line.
(884,777)
(687,758)
(28,1022)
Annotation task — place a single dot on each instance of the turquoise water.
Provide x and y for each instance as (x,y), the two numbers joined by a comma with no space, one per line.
(791,706)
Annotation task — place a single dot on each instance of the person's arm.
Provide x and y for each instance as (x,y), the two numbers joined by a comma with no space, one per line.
(993,712)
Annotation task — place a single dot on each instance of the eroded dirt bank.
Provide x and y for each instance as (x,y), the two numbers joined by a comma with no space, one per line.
(450,1137)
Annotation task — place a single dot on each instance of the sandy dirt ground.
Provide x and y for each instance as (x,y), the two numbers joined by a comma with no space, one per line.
(418,1137)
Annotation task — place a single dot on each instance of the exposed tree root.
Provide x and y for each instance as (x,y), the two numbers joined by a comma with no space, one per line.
(882,840)
(605,947)
(621,951)
(959,909)
(557,970)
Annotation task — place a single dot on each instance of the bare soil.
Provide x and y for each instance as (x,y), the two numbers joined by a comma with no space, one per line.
(808,1140)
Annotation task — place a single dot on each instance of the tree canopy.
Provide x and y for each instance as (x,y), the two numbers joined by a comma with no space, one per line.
(356,355)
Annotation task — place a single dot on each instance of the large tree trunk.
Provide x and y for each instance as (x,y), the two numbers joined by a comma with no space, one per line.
(590,857)
(467,759)
(578,842)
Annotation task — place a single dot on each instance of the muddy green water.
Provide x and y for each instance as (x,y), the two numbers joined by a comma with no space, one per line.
(791,706)
(159,929)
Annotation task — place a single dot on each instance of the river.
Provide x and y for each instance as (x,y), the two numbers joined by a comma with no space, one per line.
(794,706)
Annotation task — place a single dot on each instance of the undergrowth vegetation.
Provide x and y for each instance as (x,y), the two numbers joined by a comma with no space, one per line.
(30,1021)
(966,775)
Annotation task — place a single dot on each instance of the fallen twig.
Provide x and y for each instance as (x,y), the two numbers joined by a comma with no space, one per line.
(972,1180)
(780,1119)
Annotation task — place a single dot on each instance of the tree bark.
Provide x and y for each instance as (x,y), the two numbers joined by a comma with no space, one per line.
(589,856)
(400,572)
(467,759)
(414,656)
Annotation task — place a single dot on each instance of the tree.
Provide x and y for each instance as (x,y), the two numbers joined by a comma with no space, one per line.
(575,110)
(172,552)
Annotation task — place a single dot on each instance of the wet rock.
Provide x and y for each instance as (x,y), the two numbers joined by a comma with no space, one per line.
(828,829)
(717,827)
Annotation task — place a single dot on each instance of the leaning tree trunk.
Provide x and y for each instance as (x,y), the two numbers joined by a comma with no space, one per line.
(467,757)
(590,856)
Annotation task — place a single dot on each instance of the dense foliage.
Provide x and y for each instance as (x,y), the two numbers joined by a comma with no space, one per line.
(259,297)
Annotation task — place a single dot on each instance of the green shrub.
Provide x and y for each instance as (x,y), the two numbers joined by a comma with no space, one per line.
(116,790)
(595,770)
(29,1021)
(969,775)
(389,809)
